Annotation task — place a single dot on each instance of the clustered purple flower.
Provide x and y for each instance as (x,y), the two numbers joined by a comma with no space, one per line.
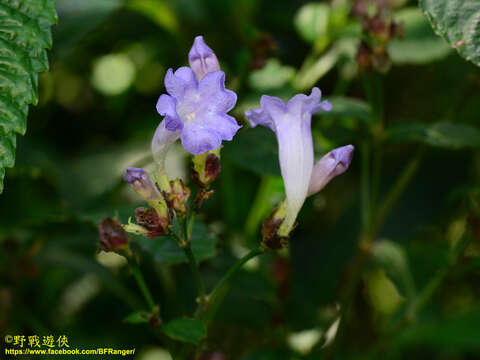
(195,111)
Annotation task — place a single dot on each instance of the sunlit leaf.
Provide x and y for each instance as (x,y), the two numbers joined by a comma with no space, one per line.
(24,36)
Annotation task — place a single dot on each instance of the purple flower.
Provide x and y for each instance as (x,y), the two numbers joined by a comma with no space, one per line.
(202,59)
(291,122)
(334,163)
(195,109)
(140,181)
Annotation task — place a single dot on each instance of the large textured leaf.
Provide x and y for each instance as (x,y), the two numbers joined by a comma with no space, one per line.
(420,45)
(24,36)
(458,21)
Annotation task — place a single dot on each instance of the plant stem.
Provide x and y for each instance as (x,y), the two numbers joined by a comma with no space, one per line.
(213,295)
(186,227)
(141,283)
(202,299)
(365,184)
(395,192)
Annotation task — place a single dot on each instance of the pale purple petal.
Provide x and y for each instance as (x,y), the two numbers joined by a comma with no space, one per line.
(212,89)
(334,163)
(259,117)
(177,83)
(202,59)
(161,141)
(166,106)
(196,139)
(224,125)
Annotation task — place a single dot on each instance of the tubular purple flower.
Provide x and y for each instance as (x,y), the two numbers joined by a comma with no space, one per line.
(334,163)
(140,181)
(202,59)
(195,109)
(291,123)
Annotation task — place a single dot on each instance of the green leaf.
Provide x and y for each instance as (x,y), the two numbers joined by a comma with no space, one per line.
(255,150)
(457,21)
(443,134)
(420,45)
(165,249)
(393,258)
(455,332)
(137,317)
(343,106)
(311,21)
(186,330)
(273,75)
(24,36)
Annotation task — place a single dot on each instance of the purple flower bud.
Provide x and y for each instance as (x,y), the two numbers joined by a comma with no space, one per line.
(334,163)
(112,236)
(140,181)
(202,59)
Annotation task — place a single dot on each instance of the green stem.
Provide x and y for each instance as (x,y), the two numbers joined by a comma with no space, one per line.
(186,227)
(422,299)
(141,283)
(395,192)
(202,299)
(365,184)
(214,295)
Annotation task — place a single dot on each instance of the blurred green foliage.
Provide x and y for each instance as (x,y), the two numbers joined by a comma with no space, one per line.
(417,138)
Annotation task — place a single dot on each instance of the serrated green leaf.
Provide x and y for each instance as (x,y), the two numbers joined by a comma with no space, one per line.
(457,21)
(24,37)
(186,330)
(165,249)
(420,45)
(446,135)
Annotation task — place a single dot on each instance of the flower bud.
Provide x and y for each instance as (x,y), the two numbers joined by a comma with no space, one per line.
(178,196)
(206,167)
(140,181)
(150,220)
(202,59)
(334,163)
(113,237)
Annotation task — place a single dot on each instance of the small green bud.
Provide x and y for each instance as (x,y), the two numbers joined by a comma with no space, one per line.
(206,167)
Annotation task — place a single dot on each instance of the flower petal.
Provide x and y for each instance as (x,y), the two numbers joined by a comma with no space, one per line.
(176,83)
(202,59)
(225,125)
(295,148)
(212,90)
(196,139)
(166,106)
(334,163)
(162,139)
